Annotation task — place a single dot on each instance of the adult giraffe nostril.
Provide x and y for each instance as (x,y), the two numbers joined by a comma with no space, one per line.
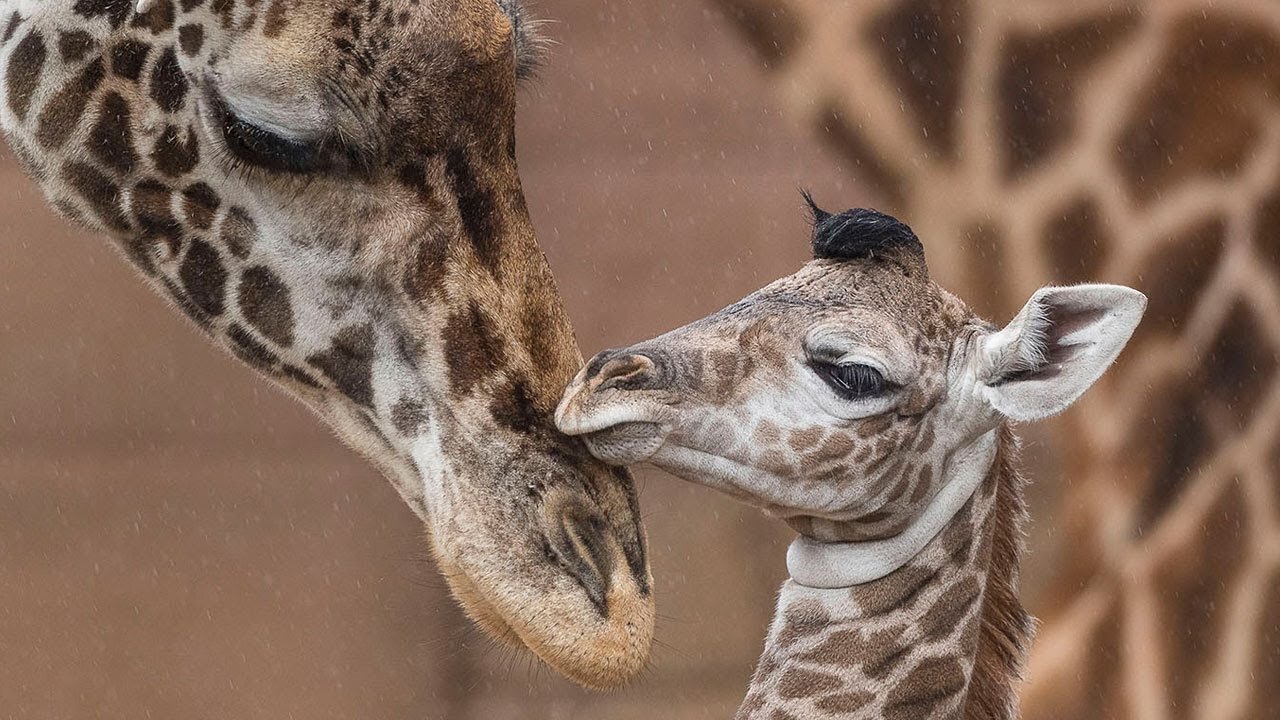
(580,543)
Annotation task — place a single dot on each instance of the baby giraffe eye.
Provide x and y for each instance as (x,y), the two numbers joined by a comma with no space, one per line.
(262,148)
(852,381)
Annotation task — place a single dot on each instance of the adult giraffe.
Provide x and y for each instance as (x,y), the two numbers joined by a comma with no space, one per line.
(329,190)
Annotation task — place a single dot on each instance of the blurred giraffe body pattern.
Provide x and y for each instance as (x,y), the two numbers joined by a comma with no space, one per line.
(329,191)
(869,408)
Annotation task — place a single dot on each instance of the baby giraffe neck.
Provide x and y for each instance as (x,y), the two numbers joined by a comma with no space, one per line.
(943,636)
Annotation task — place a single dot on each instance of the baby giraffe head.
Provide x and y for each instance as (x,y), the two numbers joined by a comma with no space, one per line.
(841,398)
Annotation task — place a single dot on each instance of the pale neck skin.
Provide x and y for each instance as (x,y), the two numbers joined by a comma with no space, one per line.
(903,646)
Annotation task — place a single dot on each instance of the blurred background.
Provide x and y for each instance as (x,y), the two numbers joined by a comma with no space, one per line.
(178,539)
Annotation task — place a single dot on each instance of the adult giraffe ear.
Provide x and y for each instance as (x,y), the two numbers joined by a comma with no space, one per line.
(1056,348)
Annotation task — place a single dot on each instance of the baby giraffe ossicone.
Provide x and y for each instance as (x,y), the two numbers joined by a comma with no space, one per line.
(870,409)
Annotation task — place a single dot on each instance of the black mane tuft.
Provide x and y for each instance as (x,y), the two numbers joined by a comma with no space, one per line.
(858,234)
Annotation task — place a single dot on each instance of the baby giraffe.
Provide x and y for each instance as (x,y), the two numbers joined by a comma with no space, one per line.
(870,409)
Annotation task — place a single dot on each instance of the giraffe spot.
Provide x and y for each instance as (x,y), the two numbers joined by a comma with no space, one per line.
(184,304)
(408,416)
(176,154)
(169,86)
(841,703)
(921,47)
(926,690)
(158,19)
(766,433)
(204,277)
(515,408)
(851,647)
(248,349)
(1076,240)
(111,139)
(26,66)
(265,303)
(1038,80)
(152,209)
(800,683)
(277,19)
(98,190)
(474,351)
(115,10)
(239,232)
(801,620)
(478,208)
(191,39)
(896,590)
(926,438)
(11,27)
(200,204)
(951,609)
(427,273)
(1210,64)
(75,45)
(128,59)
(62,114)
(805,439)
(1174,276)
(189,5)
(883,659)
(349,363)
(985,260)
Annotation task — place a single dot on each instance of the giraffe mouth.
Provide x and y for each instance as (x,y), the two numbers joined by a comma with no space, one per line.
(626,443)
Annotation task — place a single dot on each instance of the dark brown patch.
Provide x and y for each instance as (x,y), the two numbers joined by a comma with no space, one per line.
(802,619)
(277,18)
(128,59)
(921,48)
(408,416)
(473,349)
(478,208)
(265,303)
(1210,63)
(200,204)
(111,139)
(951,609)
(349,363)
(11,27)
(169,85)
(62,114)
(26,66)
(204,277)
(115,10)
(773,29)
(75,45)
(1174,276)
(191,39)
(800,683)
(843,136)
(927,688)
(515,408)
(1077,240)
(1038,83)
(895,591)
(842,703)
(98,190)
(239,232)
(157,19)
(151,206)
(176,153)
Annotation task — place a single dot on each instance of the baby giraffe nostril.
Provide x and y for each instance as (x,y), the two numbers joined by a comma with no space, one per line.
(627,372)
(582,546)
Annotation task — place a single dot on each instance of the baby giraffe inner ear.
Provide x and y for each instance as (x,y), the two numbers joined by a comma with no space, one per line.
(1056,348)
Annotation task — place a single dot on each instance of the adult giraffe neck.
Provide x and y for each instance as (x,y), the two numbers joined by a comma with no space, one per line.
(940,636)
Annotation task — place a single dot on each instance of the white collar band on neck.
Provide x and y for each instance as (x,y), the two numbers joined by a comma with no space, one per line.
(841,565)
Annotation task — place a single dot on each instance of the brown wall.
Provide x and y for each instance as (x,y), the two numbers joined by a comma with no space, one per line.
(178,539)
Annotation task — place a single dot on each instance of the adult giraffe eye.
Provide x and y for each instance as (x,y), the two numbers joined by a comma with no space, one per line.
(853,381)
(262,148)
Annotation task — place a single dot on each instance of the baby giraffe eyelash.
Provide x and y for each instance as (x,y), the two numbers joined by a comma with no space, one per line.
(853,381)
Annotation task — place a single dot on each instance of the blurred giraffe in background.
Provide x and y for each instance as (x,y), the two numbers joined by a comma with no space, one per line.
(1129,142)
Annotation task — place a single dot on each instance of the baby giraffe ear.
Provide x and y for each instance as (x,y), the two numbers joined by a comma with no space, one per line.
(1056,348)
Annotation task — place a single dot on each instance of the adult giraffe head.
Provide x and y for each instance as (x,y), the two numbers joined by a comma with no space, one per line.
(329,189)
(869,408)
